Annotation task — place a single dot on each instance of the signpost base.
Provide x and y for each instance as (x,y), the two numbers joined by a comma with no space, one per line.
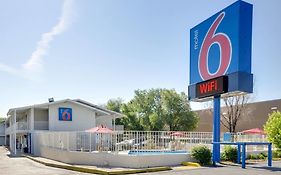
(216,130)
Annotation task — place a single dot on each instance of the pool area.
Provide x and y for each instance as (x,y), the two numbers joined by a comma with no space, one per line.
(131,159)
(155,152)
(129,149)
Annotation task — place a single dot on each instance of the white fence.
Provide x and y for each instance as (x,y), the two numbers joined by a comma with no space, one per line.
(122,141)
(125,141)
(240,137)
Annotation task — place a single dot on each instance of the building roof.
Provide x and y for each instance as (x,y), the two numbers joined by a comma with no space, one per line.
(97,107)
(75,101)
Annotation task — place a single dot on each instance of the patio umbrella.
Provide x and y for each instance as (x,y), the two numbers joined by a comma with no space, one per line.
(102,135)
(100,129)
(253,131)
(178,133)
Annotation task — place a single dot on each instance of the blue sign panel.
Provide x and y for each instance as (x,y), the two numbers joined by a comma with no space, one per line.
(65,114)
(221,45)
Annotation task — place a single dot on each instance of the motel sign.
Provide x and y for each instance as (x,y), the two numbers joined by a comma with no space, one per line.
(221,46)
(220,60)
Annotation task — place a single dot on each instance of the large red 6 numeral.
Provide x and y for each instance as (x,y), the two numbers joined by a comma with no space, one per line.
(225,51)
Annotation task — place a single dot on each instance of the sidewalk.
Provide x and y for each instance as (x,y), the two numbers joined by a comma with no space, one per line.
(101,170)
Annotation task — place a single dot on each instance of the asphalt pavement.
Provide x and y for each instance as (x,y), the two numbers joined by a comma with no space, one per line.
(253,169)
(10,165)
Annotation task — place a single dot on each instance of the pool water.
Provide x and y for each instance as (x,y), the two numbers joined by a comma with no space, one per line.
(154,152)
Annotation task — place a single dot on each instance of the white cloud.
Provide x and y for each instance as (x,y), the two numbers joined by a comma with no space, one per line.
(34,64)
(8,69)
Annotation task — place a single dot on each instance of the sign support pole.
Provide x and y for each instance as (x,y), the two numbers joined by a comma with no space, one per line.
(216,130)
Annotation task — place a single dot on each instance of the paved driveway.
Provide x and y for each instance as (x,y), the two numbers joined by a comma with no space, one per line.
(23,166)
(254,169)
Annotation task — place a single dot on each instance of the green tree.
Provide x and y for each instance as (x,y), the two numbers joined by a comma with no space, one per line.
(163,109)
(130,121)
(147,106)
(273,129)
(154,110)
(114,104)
(177,113)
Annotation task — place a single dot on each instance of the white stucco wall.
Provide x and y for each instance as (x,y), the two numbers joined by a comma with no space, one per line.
(2,140)
(115,160)
(28,113)
(41,119)
(82,118)
(104,158)
(105,120)
(40,114)
(2,133)
(2,128)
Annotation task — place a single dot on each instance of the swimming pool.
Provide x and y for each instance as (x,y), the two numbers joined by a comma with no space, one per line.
(155,152)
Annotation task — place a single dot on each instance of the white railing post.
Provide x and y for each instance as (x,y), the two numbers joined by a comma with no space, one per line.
(138,142)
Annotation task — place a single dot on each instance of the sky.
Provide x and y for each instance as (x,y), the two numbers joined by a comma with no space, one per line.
(97,50)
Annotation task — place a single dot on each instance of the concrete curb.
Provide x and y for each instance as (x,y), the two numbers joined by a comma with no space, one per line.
(192,164)
(103,172)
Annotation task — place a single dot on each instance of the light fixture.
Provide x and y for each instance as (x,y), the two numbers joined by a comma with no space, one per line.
(51,100)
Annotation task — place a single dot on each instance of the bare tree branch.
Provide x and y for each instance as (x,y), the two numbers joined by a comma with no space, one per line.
(235,107)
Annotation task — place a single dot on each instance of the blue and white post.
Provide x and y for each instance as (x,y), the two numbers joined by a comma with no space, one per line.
(216,130)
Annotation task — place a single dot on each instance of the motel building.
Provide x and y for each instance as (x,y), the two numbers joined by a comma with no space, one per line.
(63,115)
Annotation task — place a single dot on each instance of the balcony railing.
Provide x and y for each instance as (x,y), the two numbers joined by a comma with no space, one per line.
(38,125)
(21,126)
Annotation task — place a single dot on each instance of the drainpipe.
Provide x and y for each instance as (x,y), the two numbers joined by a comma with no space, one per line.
(114,122)
(5,133)
(15,132)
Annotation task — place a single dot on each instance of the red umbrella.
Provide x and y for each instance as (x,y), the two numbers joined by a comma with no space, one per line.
(253,131)
(100,129)
(178,133)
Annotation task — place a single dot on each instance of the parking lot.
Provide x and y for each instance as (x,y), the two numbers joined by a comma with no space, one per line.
(22,166)
(257,168)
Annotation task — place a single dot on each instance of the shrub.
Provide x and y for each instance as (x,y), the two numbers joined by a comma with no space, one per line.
(273,129)
(264,154)
(261,156)
(229,153)
(202,154)
(257,156)
(252,156)
(276,154)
